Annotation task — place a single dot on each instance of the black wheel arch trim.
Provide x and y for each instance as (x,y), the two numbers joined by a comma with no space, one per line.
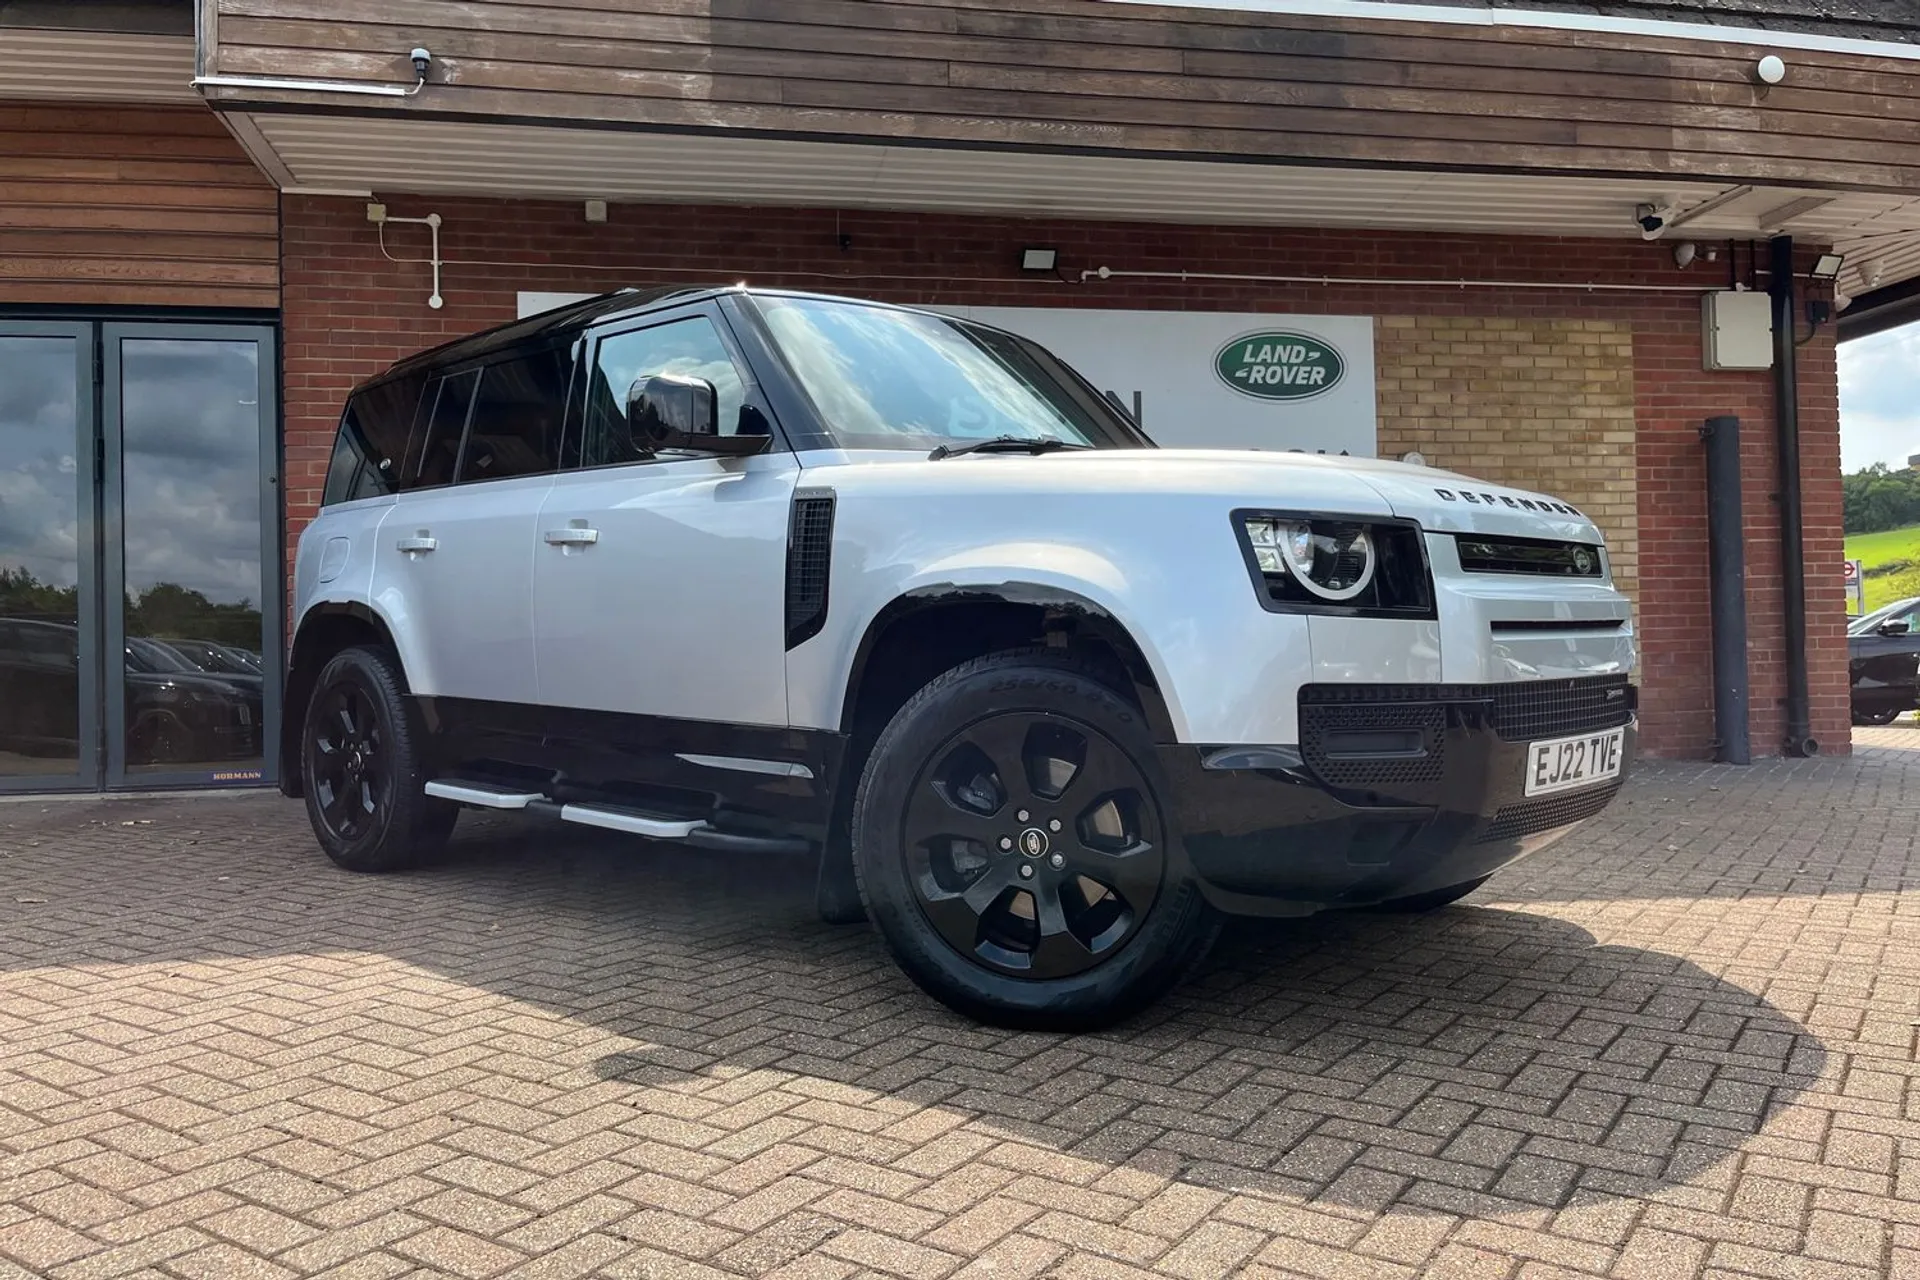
(303,668)
(1073,611)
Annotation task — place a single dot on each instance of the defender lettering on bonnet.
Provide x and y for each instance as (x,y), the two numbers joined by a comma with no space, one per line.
(1279,366)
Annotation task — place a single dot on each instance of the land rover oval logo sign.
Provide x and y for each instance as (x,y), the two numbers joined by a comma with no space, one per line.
(1279,366)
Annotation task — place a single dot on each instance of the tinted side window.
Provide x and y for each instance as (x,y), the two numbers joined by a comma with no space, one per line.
(690,347)
(437,452)
(515,428)
(372,443)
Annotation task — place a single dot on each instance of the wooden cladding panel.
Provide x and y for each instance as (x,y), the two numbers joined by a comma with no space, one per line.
(1093,75)
(155,206)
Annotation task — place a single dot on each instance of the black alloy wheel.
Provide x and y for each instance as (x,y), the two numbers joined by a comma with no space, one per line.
(362,768)
(1033,845)
(1013,845)
(349,777)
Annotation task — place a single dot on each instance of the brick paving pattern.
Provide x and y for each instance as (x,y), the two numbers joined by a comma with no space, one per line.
(1679,1044)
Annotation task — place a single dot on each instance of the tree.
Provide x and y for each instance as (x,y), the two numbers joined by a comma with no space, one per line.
(1877,498)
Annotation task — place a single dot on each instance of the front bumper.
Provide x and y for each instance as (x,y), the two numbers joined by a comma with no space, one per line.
(1292,830)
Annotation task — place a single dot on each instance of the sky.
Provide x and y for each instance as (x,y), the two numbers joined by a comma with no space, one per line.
(1880,399)
(192,470)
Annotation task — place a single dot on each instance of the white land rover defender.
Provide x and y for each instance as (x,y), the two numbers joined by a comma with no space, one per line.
(771,573)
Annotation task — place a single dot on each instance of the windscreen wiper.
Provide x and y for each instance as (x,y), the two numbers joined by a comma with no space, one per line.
(1004,444)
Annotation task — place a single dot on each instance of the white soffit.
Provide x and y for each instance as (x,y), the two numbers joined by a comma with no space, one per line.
(96,66)
(391,155)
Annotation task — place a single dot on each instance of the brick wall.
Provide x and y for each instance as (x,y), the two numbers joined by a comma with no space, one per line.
(1541,404)
(349,311)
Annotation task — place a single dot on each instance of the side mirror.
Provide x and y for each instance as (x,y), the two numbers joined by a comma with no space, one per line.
(670,411)
(1897,627)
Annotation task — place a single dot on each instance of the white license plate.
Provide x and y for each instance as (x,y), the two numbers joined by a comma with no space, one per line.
(1565,764)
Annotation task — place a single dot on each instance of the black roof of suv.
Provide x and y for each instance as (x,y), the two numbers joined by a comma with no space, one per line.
(568,317)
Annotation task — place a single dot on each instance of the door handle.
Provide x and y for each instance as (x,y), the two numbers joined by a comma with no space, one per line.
(572,537)
(418,542)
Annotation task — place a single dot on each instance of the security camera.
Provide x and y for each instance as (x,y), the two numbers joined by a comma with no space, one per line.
(422,62)
(1651,221)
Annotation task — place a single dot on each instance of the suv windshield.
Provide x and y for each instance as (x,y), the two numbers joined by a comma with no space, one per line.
(1868,623)
(887,379)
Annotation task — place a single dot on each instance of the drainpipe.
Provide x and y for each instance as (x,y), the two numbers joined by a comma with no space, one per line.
(1727,581)
(1793,557)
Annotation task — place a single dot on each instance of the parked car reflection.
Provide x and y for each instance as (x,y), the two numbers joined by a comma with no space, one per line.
(216,659)
(186,714)
(176,712)
(39,688)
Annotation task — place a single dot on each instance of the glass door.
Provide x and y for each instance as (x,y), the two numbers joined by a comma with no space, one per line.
(191,559)
(49,652)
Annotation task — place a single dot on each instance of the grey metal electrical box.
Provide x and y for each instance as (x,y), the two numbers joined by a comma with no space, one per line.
(1737,329)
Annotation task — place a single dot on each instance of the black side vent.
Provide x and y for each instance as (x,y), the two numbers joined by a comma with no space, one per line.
(809,566)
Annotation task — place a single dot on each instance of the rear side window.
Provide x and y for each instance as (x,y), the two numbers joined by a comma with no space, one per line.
(372,443)
(515,426)
(437,450)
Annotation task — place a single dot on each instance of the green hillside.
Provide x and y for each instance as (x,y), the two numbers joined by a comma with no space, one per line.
(1891,561)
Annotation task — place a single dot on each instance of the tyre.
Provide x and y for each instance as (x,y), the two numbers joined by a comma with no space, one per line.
(360,760)
(1884,716)
(1013,847)
(1432,901)
(159,738)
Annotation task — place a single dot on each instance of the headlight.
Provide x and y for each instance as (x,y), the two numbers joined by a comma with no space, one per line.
(1333,560)
(1332,564)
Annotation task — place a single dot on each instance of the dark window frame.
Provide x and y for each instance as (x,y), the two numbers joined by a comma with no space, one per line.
(562,347)
(586,376)
(422,435)
(343,487)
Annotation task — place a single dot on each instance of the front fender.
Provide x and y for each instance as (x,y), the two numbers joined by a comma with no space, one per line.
(1053,575)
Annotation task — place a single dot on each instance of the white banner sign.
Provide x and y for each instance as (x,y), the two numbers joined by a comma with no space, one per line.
(1202,379)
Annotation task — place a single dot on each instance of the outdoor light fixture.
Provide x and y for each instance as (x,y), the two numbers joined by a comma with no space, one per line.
(1039,259)
(1771,69)
(1827,266)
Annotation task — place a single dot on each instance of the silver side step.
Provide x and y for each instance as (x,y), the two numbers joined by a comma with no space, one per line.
(482,796)
(693,832)
(632,821)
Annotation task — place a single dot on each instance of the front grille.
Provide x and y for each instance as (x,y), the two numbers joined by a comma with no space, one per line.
(1536,557)
(1550,814)
(1321,725)
(1529,710)
(1522,711)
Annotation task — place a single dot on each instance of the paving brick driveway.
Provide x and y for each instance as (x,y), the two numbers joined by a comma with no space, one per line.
(1681,1043)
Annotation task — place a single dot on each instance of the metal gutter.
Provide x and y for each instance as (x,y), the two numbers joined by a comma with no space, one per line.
(1883,309)
(308,86)
(1384,11)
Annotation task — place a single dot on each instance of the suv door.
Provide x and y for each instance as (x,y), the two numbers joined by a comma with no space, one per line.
(454,567)
(661,582)
(1886,668)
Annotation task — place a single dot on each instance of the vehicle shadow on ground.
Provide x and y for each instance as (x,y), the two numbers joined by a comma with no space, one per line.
(1479,1061)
